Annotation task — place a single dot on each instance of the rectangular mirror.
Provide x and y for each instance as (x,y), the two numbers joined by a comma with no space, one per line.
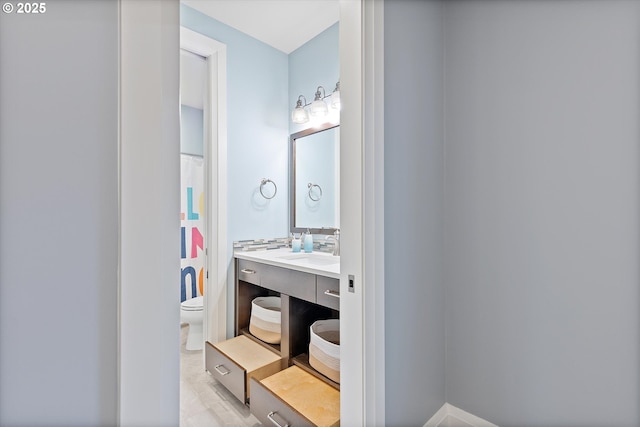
(314,180)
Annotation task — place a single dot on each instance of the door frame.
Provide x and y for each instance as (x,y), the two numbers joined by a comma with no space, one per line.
(215,185)
(148,330)
(362,395)
(148,369)
(373,211)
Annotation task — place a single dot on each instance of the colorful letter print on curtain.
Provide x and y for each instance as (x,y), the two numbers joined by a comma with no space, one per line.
(192,231)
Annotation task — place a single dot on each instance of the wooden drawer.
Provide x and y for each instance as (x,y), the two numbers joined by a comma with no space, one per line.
(295,398)
(249,271)
(270,410)
(328,292)
(235,361)
(284,280)
(225,370)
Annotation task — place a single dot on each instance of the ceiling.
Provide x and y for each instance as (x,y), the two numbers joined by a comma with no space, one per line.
(283,24)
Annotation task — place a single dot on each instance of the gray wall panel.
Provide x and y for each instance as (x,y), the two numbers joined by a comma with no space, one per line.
(542,208)
(414,295)
(58,222)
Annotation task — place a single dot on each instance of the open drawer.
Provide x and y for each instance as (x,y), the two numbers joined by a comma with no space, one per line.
(293,398)
(235,361)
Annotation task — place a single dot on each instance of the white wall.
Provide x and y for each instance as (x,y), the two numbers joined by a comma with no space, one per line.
(542,210)
(413,195)
(59,215)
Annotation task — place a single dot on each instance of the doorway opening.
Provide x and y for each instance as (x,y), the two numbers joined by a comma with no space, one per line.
(131,406)
(193,216)
(203,202)
(213,200)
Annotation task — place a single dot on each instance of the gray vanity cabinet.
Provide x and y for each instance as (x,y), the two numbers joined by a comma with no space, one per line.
(270,377)
(304,300)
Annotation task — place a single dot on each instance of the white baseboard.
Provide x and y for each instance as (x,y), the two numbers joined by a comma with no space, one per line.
(439,416)
(450,416)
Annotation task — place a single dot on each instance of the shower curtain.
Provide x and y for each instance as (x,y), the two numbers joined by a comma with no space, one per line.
(192,218)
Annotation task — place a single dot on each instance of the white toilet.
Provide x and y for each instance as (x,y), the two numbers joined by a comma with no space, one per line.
(191,312)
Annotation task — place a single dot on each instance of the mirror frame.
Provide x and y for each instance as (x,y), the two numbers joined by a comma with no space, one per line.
(292,179)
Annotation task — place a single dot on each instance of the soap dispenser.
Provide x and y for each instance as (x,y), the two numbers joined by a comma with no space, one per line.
(308,242)
(296,243)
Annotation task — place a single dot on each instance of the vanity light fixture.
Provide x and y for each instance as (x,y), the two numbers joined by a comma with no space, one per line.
(299,114)
(318,108)
(335,97)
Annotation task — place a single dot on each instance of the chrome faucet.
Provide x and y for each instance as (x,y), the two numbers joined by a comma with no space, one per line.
(336,239)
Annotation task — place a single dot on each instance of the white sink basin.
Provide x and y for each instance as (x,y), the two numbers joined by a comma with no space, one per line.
(312,258)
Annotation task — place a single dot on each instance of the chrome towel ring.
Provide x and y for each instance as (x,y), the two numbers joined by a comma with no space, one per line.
(311,187)
(264,182)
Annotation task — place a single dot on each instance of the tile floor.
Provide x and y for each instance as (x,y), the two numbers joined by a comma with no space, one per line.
(203,400)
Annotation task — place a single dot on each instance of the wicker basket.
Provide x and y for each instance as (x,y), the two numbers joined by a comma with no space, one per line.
(324,348)
(266,319)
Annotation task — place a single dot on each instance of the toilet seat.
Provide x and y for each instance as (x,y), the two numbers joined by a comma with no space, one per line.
(193,304)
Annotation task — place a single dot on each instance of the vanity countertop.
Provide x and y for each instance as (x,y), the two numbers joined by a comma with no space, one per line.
(319,263)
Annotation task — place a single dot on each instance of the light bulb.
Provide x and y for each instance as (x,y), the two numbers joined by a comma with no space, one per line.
(319,108)
(335,100)
(335,97)
(299,115)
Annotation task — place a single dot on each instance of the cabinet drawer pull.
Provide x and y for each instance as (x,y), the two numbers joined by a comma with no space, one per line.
(248,271)
(270,416)
(217,368)
(331,293)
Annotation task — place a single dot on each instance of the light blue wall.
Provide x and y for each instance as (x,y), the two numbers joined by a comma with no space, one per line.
(263,84)
(258,120)
(191,130)
(316,63)
(257,134)
(257,128)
